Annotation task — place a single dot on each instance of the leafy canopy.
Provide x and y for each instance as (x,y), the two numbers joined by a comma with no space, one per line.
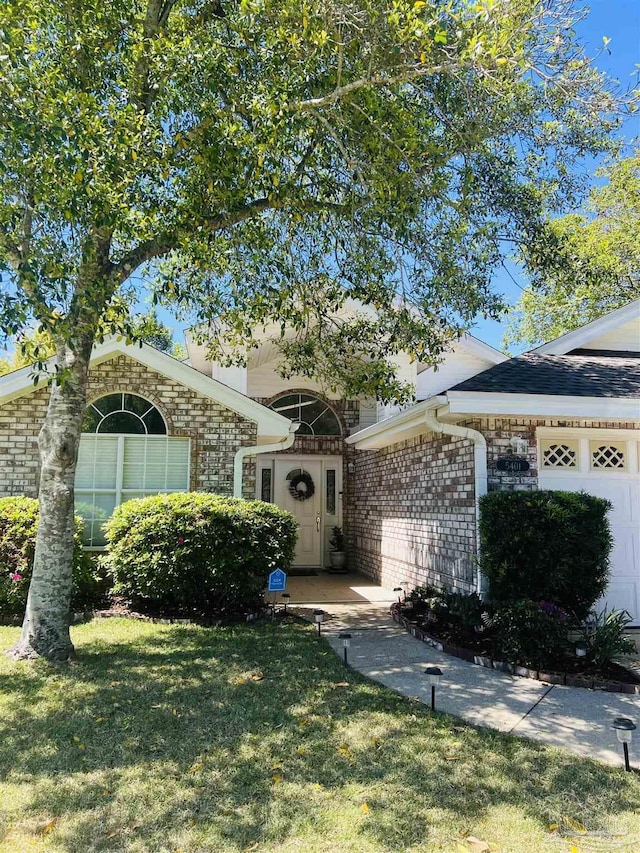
(597,265)
(272,159)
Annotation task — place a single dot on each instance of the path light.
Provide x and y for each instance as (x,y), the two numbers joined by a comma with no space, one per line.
(581,650)
(624,729)
(434,674)
(405,586)
(346,642)
(398,589)
(318,615)
(285,596)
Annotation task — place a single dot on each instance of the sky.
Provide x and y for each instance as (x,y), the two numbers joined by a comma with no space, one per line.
(618,20)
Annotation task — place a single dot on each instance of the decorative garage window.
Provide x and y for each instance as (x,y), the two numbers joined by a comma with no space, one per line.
(313,414)
(559,454)
(124,454)
(608,454)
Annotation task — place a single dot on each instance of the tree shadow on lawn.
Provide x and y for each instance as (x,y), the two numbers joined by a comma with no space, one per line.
(166,737)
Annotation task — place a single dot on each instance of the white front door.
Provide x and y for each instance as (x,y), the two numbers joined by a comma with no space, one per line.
(307,510)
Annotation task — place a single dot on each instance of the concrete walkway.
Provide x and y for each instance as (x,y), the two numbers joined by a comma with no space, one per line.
(568,717)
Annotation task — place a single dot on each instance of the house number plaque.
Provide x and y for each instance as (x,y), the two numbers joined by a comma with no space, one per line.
(512,464)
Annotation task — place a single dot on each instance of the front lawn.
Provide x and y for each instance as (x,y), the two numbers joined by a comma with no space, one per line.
(166,738)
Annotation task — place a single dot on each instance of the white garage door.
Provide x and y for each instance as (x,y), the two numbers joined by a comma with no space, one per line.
(606,464)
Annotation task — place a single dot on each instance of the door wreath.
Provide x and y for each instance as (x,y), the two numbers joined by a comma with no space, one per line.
(301,486)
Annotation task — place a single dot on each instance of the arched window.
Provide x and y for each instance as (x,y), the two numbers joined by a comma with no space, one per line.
(123,413)
(313,414)
(125,453)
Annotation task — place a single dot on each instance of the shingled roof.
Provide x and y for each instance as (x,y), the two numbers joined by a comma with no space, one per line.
(580,373)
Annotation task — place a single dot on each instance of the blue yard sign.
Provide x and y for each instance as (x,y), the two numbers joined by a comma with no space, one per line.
(277,581)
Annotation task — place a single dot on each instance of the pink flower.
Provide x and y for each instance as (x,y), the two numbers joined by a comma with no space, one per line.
(180,540)
(15,576)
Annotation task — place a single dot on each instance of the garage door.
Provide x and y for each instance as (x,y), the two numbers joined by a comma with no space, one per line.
(606,464)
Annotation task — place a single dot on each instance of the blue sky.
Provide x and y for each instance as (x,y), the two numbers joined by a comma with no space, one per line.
(618,20)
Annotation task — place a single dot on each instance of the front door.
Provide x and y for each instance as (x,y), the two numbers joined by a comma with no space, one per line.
(298,489)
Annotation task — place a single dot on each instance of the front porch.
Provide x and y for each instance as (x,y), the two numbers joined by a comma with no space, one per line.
(326,588)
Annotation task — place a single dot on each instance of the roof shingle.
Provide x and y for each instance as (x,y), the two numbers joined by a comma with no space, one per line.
(584,373)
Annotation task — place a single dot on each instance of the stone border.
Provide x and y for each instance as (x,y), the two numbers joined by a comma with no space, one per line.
(591,683)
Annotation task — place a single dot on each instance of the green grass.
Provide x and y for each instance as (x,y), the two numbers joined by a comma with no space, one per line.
(167,738)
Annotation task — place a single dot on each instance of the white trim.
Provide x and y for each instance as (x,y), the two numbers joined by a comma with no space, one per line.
(270,424)
(594,329)
(481,349)
(543,405)
(588,432)
(243,452)
(398,428)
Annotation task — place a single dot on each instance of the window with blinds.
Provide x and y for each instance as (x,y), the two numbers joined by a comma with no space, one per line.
(116,468)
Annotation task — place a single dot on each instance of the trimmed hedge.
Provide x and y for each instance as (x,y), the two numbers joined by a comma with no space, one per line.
(18,527)
(197,553)
(546,546)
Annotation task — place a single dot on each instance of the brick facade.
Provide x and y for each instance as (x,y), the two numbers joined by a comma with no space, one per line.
(216,432)
(412,511)
(413,515)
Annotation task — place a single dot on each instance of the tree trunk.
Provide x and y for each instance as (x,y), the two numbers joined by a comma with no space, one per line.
(45,630)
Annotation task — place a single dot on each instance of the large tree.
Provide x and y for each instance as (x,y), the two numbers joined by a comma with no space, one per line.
(270,159)
(596,267)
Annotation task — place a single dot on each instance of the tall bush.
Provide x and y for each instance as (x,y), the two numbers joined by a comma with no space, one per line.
(18,527)
(545,546)
(197,553)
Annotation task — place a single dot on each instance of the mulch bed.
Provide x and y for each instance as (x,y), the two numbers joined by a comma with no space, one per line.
(617,680)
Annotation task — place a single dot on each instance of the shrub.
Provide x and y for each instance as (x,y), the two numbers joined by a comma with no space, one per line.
(18,526)
(545,545)
(531,633)
(196,552)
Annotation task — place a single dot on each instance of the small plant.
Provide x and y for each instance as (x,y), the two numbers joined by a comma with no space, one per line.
(457,609)
(604,637)
(337,540)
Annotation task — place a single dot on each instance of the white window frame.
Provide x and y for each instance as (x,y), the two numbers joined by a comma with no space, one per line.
(122,494)
(585,435)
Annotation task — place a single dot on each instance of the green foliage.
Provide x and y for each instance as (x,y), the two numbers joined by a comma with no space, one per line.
(337,540)
(545,545)
(18,527)
(273,160)
(531,633)
(197,552)
(605,637)
(596,267)
(458,610)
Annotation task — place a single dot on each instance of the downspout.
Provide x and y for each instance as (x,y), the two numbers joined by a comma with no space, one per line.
(480,467)
(254,451)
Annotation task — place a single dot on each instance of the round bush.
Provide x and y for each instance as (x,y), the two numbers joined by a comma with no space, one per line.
(18,527)
(197,553)
(546,546)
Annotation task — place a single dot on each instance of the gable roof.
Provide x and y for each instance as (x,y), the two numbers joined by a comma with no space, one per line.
(582,373)
(596,329)
(270,423)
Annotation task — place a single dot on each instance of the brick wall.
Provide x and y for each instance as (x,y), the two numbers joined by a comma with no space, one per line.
(413,515)
(215,432)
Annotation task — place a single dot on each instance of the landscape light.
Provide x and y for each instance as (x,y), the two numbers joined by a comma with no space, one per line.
(318,615)
(286,597)
(405,586)
(398,589)
(434,674)
(581,650)
(346,642)
(624,729)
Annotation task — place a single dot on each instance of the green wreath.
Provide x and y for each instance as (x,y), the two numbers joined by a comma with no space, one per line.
(307,491)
